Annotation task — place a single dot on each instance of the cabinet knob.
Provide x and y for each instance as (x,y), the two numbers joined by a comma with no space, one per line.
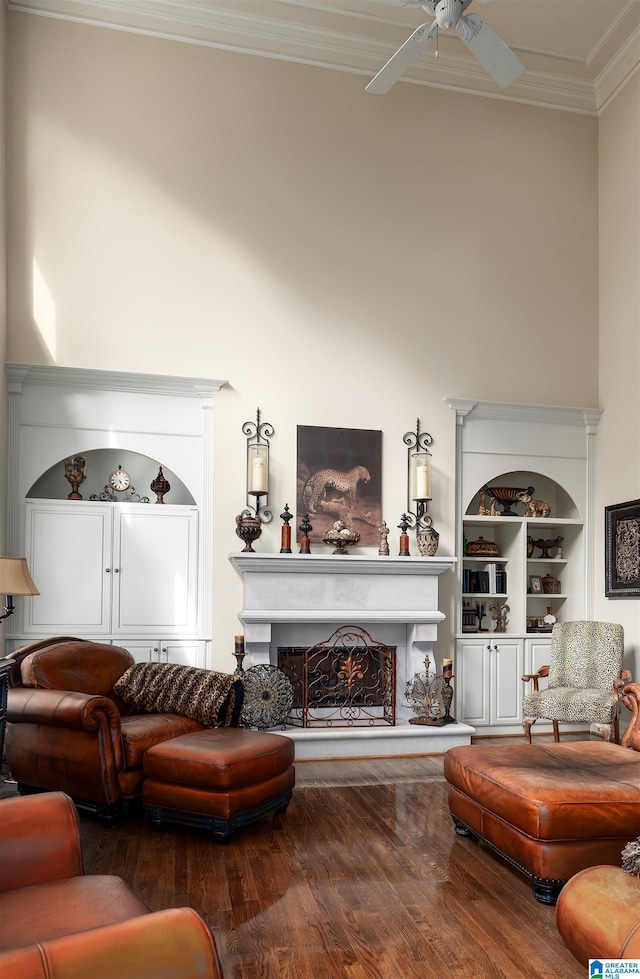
(155,649)
(107,570)
(164,649)
(116,570)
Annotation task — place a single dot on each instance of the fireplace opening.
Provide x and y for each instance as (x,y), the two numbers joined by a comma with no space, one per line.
(347,680)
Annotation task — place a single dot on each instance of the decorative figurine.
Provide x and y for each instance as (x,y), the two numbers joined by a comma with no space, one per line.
(404,537)
(535,508)
(160,486)
(304,529)
(483,509)
(383,530)
(285,531)
(499,613)
(75,475)
(429,692)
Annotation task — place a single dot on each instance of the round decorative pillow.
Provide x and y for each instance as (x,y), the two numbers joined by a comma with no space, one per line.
(268,697)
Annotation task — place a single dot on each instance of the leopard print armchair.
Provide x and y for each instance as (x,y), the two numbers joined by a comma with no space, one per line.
(585,678)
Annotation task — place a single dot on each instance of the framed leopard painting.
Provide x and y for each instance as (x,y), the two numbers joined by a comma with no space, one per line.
(339,477)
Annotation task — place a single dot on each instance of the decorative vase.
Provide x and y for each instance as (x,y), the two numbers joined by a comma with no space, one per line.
(160,486)
(428,541)
(248,528)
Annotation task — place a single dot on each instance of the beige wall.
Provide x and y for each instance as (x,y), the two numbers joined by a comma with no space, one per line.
(3,263)
(618,456)
(343,259)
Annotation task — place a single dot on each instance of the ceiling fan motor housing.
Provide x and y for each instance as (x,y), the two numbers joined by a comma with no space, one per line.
(448,13)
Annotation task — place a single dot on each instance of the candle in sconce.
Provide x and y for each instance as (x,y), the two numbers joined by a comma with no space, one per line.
(447,667)
(258,483)
(422,489)
(421,483)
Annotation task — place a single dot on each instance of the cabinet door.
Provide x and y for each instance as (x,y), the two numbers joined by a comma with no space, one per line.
(472,682)
(538,654)
(507,667)
(68,550)
(167,651)
(156,563)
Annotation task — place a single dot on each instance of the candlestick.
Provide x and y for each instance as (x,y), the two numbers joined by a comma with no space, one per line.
(404,537)
(285,531)
(238,653)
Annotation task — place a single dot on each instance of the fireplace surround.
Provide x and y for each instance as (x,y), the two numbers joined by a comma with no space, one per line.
(297,600)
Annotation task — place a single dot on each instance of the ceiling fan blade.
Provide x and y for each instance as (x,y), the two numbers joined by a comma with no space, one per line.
(397,65)
(490,50)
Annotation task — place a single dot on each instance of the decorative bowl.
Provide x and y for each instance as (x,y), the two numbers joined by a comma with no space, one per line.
(506,495)
(546,545)
(341,537)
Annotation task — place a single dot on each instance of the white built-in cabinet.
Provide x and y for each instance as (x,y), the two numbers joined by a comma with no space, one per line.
(136,574)
(551,449)
(125,569)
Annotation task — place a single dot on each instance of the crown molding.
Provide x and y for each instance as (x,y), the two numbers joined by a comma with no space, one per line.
(80,377)
(618,71)
(222,26)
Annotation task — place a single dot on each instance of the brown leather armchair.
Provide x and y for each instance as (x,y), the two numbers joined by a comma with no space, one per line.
(67,730)
(58,923)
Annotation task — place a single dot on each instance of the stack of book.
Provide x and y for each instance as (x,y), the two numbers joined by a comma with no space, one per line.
(488,580)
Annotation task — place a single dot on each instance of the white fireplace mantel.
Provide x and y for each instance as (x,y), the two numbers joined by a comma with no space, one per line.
(298,599)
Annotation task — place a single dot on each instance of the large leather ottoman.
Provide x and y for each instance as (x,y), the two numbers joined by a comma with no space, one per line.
(219,778)
(551,809)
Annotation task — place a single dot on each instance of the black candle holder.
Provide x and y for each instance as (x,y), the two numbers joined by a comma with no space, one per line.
(418,488)
(258,434)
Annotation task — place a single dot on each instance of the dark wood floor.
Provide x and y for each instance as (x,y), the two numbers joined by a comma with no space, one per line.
(362,878)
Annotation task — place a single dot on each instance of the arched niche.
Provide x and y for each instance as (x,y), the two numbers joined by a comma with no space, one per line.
(143,469)
(544,488)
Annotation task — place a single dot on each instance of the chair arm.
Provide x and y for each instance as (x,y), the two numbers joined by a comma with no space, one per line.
(39,840)
(631,700)
(161,945)
(621,681)
(542,672)
(61,708)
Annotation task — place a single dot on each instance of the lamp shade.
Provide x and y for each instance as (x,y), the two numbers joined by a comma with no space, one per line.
(15,578)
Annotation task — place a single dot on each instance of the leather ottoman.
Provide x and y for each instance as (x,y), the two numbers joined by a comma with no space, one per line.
(551,809)
(219,779)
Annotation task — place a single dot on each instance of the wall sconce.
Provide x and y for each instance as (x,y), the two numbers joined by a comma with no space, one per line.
(258,434)
(418,477)
(15,580)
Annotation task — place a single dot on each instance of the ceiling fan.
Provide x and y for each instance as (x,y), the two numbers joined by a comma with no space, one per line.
(490,50)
